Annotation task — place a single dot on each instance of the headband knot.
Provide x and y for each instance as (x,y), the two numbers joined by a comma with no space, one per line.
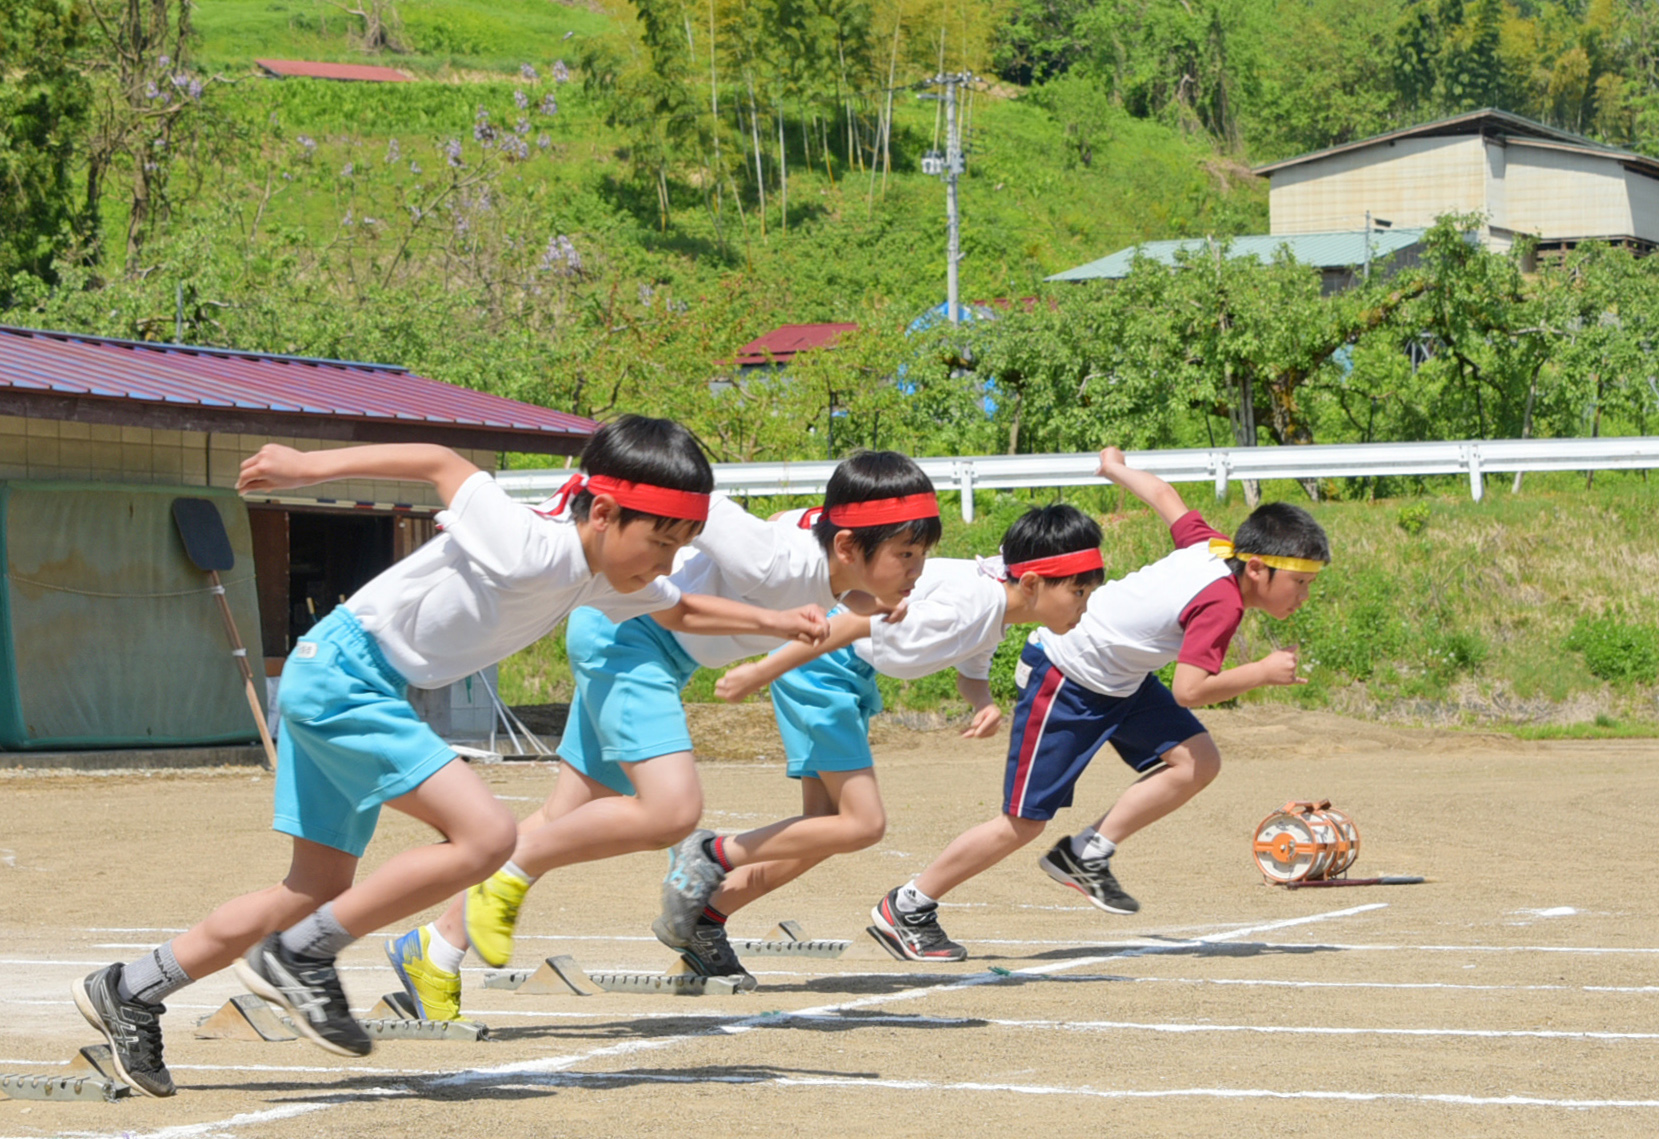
(664,502)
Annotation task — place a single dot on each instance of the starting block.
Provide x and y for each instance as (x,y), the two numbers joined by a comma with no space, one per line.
(563,976)
(91,1076)
(788,940)
(244,1017)
(394,1018)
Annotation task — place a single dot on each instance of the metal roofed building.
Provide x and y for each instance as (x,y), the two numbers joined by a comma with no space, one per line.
(1339,256)
(1523,176)
(112,431)
(778,348)
(349,72)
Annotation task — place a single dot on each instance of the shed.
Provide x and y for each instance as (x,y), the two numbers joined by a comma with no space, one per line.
(1339,257)
(99,435)
(778,348)
(349,72)
(1523,176)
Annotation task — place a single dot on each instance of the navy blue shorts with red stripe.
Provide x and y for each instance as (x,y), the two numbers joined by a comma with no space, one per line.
(1059,725)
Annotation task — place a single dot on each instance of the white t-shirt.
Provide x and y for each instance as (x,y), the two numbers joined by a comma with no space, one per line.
(775,565)
(1133,625)
(499,577)
(954,619)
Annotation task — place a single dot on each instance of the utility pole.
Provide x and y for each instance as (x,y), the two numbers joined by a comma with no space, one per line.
(950,166)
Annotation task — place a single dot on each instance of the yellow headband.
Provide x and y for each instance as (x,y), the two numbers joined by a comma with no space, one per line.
(1223,549)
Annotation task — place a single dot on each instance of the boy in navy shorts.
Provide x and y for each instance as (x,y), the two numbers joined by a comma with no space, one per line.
(1097,684)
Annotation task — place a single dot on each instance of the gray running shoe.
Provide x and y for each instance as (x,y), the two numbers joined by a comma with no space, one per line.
(1091,877)
(132,1028)
(309,988)
(916,936)
(692,879)
(710,954)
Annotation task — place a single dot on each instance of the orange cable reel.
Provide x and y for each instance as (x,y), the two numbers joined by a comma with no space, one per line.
(1306,840)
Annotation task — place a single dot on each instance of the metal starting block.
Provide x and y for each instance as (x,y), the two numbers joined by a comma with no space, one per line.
(91,1076)
(394,1018)
(244,1017)
(563,976)
(788,940)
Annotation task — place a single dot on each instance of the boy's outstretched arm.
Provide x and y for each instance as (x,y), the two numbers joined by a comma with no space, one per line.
(987,716)
(1144,485)
(1193,687)
(275,467)
(719,617)
(746,679)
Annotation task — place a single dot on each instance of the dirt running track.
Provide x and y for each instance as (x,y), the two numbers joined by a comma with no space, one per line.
(1514,995)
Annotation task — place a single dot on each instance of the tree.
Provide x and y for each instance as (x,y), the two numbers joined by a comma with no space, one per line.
(44,108)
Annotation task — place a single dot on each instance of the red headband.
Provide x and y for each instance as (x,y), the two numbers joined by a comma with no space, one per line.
(1060,565)
(876,511)
(659,500)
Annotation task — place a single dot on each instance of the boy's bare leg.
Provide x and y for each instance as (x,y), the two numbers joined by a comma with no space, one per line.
(835,795)
(1188,768)
(479,833)
(665,807)
(975,851)
(316,874)
(858,820)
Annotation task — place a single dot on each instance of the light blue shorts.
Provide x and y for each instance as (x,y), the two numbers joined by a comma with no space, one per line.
(348,741)
(824,709)
(627,703)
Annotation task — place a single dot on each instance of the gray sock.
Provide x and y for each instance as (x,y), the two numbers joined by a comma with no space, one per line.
(153,977)
(319,935)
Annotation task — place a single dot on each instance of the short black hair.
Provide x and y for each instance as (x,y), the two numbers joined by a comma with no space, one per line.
(1279,530)
(870,475)
(655,451)
(1047,531)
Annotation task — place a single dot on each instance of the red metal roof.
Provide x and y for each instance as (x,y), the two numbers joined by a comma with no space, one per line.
(780,345)
(305,69)
(222,383)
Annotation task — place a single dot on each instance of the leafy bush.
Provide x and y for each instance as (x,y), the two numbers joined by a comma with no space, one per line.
(1615,650)
(1413,517)
(1007,658)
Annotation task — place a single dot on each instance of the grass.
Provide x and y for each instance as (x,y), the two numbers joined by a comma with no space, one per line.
(440,37)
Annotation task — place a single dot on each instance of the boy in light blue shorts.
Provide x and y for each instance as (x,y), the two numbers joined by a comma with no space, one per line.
(629,780)
(955,618)
(499,576)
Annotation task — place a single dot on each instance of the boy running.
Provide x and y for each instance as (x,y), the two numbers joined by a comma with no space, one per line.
(500,576)
(1097,683)
(824,696)
(629,779)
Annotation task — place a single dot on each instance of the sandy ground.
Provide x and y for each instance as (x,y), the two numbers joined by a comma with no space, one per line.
(1513,995)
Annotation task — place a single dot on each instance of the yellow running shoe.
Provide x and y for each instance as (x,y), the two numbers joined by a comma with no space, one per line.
(492,913)
(437,994)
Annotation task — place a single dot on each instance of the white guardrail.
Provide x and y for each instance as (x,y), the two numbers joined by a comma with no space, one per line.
(1474,458)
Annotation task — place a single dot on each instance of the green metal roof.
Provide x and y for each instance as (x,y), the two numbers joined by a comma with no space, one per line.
(1321,250)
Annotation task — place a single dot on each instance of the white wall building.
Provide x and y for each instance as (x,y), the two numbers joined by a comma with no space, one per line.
(1522,176)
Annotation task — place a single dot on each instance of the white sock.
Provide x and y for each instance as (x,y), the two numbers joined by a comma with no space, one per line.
(518,872)
(911,899)
(441,953)
(1090,844)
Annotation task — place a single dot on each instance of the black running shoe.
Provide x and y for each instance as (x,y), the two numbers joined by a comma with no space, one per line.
(710,954)
(309,989)
(916,936)
(132,1028)
(1091,877)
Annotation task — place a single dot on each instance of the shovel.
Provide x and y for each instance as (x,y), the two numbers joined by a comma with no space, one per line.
(208,548)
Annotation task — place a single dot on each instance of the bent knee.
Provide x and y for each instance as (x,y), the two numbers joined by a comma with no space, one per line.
(1026,829)
(492,842)
(866,832)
